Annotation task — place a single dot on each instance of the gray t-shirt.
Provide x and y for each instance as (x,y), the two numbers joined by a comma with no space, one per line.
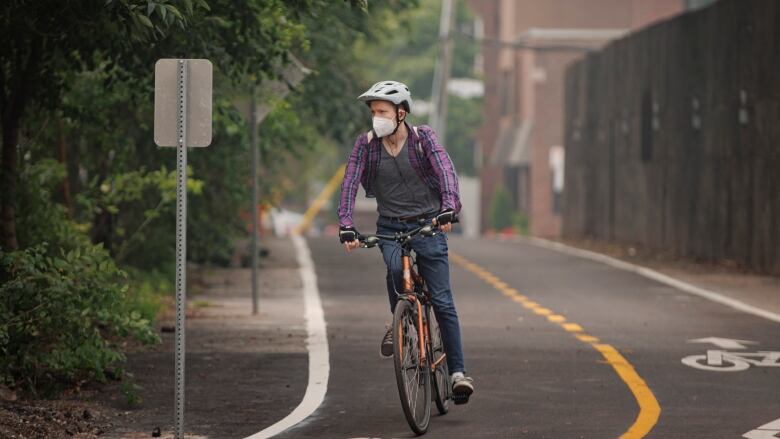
(399,190)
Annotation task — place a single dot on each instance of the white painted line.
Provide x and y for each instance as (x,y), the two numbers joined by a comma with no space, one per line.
(654,275)
(317,344)
(762,434)
(774,425)
(767,431)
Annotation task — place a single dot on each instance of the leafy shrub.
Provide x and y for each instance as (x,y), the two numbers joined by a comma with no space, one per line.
(520,223)
(63,301)
(501,209)
(60,314)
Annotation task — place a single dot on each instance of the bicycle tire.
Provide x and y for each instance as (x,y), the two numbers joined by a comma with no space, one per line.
(442,391)
(412,376)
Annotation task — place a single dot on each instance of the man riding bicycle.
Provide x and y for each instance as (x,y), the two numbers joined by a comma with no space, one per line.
(413,179)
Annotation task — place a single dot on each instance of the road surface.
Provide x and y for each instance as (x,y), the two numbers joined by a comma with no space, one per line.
(558,346)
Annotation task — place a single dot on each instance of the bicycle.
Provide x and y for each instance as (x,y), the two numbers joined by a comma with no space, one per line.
(418,350)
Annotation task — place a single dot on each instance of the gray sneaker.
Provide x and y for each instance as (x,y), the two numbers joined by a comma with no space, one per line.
(386,348)
(462,388)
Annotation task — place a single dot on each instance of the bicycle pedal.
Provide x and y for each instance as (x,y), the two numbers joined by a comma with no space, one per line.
(460,398)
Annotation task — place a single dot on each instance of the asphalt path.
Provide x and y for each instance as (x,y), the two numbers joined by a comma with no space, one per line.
(534,377)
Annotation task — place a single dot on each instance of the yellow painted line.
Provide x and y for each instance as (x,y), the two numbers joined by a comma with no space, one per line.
(585,338)
(649,409)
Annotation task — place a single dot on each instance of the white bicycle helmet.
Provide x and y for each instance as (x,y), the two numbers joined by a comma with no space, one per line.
(392,91)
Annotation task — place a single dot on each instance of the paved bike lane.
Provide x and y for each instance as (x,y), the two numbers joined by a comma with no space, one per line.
(533,379)
(653,325)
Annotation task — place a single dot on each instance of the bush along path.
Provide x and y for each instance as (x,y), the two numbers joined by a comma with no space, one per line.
(243,372)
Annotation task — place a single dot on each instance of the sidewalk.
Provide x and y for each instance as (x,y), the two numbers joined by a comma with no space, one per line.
(756,290)
(243,372)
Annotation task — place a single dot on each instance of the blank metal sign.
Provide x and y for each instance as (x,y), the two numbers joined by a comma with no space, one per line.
(199,77)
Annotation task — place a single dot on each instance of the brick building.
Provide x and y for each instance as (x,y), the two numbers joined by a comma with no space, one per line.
(527,45)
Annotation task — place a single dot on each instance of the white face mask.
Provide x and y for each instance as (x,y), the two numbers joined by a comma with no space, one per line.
(383,126)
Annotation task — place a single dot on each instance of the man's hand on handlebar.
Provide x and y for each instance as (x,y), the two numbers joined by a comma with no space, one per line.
(444,220)
(349,237)
(352,240)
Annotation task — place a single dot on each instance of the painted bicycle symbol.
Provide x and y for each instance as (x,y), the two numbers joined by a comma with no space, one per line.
(725,359)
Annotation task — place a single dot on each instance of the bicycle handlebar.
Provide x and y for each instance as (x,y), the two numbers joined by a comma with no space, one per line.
(369,241)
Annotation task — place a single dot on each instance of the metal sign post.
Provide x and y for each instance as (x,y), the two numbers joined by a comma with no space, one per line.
(187,85)
(255,110)
(181,244)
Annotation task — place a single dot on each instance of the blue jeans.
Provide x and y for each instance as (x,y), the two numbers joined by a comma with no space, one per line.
(434,267)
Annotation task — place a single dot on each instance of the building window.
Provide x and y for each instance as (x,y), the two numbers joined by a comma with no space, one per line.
(557,164)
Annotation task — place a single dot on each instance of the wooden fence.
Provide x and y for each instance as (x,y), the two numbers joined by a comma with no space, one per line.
(673,137)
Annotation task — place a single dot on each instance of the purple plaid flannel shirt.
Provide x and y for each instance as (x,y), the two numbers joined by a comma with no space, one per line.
(426,156)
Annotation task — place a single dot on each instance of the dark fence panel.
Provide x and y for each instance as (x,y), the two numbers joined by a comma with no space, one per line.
(673,137)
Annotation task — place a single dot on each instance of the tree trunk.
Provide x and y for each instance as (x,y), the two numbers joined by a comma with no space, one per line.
(8,184)
(16,96)
(67,200)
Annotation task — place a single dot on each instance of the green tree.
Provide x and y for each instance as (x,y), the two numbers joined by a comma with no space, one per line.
(463,117)
(88,107)
(43,43)
(46,44)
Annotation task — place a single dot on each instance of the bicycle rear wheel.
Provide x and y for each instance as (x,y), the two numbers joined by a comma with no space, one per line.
(412,374)
(442,391)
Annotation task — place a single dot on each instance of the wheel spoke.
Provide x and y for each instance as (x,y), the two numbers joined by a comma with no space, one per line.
(414,378)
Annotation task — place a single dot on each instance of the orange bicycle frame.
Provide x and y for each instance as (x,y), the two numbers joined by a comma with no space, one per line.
(410,278)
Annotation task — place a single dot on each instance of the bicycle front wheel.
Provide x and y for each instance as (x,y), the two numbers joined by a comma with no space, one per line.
(412,374)
(442,391)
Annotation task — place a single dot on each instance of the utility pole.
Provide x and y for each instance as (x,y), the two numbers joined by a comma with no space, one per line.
(441,75)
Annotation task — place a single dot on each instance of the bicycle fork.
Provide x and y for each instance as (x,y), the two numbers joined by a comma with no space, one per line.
(409,278)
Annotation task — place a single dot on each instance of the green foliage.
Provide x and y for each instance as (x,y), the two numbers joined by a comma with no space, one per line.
(63,301)
(148,290)
(342,68)
(59,314)
(520,223)
(405,48)
(503,216)
(131,391)
(39,218)
(463,117)
(95,194)
(501,209)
